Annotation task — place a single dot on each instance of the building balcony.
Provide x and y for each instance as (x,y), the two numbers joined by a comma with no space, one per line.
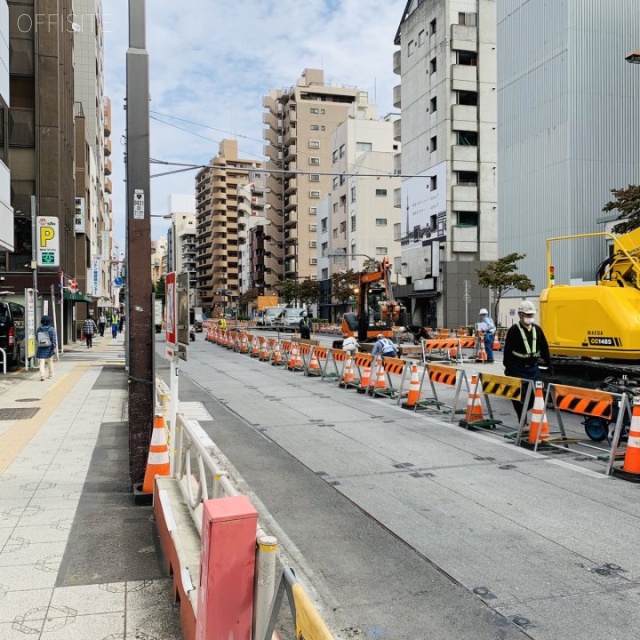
(397,129)
(219,206)
(397,62)
(397,164)
(108,187)
(291,151)
(464,194)
(397,198)
(107,116)
(291,186)
(107,146)
(464,77)
(291,169)
(269,102)
(271,120)
(397,96)
(108,169)
(290,203)
(464,117)
(290,135)
(464,38)
(465,239)
(274,138)
(464,158)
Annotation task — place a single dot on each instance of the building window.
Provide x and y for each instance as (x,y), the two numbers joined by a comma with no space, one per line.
(322,111)
(342,179)
(313,227)
(381,193)
(343,150)
(421,38)
(381,251)
(467,58)
(432,27)
(468,178)
(343,227)
(433,65)
(315,127)
(335,232)
(335,182)
(325,274)
(353,193)
(324,247)
(314,177)
(353,223)
(467,218)
(467,138)
(314,110)
(364,146)
(433,183)
(433,144)
(313,260)
(433,105)
(314,160)
(314,194)
(468,98)
(313,244)
(381,222)
(411,47)
(335,156)
(313,211)
(335,207)
(468,19)
(323,225)
(314,144)
(322,127)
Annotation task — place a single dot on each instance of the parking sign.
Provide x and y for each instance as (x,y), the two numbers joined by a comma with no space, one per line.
(48,241)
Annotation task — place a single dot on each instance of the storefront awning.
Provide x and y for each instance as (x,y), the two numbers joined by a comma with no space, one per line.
(423,294)
(77,297)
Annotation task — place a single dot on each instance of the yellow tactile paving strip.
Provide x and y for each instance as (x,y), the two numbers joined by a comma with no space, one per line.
(14,440)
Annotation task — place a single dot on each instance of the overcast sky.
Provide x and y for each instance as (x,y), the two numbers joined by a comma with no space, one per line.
(211,61)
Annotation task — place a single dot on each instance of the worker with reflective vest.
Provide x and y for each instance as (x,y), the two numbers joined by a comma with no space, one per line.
(524,345)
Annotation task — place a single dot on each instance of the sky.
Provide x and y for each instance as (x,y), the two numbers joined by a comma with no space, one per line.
(212,61)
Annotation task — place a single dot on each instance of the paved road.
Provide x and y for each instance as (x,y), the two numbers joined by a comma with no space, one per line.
(411,528)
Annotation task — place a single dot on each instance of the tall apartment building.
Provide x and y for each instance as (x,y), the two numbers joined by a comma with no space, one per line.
(447,64)
(300,122)
(37,135)
(181,241)
(93,206)
(218,226)
(358,217)
(6,212)
(569,126)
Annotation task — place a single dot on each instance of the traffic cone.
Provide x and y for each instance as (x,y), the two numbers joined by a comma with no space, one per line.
(381,381)
(293,356)
(347,375)
(453,353)
(277,355)
(255,347)
(496,342)
(631,466)
(474,403)
(244,347)
(414,389)
(539,427)
(482,352)
(364,381)
(264,350)
(158,460)
(314,365)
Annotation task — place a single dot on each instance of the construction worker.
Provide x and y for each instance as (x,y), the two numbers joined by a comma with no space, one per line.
(305,326)
(488,327)
(222,323)
(524,345)
(384,347)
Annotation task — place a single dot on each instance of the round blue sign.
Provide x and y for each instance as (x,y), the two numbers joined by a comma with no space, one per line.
(118,282)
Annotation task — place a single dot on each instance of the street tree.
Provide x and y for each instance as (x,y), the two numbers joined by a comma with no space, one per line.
(309,291)
(627,203)
(248,298)
(344,285)
(287,290)
(500,276)
(159,287)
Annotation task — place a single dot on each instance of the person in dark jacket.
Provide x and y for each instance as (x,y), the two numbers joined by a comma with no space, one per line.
(46,343)
(305,326)
(89,328)
(524,345)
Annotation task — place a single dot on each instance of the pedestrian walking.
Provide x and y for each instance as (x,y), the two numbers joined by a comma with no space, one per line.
(102,323)
(121,323)
(488,328)
(305,326)
(114,325)
(47,343)
(384,347)
(89,329)
(524,345)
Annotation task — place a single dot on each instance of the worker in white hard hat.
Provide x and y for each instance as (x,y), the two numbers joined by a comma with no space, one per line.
(488,328)
(524,345)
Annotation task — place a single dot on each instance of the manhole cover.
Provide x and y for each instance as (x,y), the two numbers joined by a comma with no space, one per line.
(28,400)
(18,414)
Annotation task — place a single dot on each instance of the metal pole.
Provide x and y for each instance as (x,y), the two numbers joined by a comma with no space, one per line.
(141,341)
(173,410)
(34,268)
(61,347)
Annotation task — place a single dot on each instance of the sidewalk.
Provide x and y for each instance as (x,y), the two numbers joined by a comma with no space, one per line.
(77,559)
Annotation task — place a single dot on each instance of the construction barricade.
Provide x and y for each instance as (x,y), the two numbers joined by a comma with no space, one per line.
(381,384)
(335,364)
(446,348)
(607,406)
(436,374)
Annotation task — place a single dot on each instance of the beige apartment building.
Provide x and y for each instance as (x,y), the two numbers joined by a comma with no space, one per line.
(299,123)
(218,224)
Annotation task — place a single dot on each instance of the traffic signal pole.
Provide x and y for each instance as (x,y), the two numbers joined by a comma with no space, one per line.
(139,319)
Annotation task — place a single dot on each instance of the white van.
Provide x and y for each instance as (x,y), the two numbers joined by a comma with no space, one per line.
(271,317)
(292,317)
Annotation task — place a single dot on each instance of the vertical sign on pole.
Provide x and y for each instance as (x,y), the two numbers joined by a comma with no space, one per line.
(48,241)
(30,304)
(171,308)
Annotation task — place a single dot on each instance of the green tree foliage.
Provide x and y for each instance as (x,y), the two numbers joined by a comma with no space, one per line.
(501,277)
(248,298)
(159,287)
(309,291)
(344,285)
(627,203)
(287,290)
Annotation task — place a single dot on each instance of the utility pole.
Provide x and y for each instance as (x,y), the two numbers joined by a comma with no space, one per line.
(141,341)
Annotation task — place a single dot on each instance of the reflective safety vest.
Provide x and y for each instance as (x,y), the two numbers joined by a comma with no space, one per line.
(532,351)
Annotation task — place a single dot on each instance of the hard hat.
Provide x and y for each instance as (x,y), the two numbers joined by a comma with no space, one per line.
(526,306)
(380,336)
(304,314)
(484,312)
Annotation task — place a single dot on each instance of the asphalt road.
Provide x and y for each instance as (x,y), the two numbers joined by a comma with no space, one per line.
(410,528)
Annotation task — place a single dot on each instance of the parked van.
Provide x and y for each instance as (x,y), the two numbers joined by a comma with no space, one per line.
(270,317)
(292,317)
(12,331)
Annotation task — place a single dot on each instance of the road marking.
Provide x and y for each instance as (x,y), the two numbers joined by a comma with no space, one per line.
(15,439)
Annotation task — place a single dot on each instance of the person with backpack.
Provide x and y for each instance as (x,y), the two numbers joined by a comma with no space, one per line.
(89,329)
(47,343)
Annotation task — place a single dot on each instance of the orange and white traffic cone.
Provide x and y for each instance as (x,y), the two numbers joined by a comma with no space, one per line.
(482,352)
(631,466)
(496,342)
(293,356)
(414,389)
(539,427)
(474,403)
(158,460)
(381,381)
(255,347)
(347,375)
(365,379)
(264,350)
(277,355)
(314,365)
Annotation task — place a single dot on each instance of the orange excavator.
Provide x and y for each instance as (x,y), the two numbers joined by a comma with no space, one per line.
(377,312)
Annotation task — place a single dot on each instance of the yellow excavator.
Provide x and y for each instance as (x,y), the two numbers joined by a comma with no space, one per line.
(599,321)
